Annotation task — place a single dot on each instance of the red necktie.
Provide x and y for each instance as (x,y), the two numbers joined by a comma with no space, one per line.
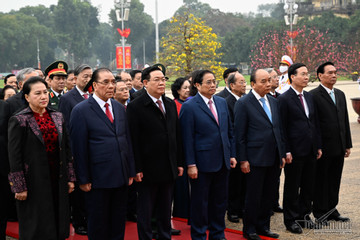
(160,106)
(213,111)
(86,95)
(108,113)
(302,101)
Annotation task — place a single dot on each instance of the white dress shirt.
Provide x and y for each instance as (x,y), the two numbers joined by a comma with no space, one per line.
(102,104)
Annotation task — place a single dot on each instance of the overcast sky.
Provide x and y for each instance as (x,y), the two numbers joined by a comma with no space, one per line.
(166,7)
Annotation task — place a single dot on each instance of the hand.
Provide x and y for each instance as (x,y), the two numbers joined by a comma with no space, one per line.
(245,166)
(193,172)
(347,152)
(181,171)
(139,176)
(319,154)
(131,180)
(85,187)
(233,162)
(21,196)
(71,187)
(282,164)
(289,158)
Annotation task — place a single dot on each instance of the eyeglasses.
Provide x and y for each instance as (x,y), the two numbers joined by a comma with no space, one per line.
(157,80)
(275,77)
(107,82)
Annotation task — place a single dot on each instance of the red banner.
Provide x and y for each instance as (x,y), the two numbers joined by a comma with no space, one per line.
(119,57)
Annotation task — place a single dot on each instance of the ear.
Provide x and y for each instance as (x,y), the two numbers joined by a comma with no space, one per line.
(252,84)
(145,82)
(27,97)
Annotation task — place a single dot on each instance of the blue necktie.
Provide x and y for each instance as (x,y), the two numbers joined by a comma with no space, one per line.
(266,109)
(332,95)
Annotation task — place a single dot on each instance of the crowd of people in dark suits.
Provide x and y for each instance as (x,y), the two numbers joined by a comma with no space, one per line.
(95,149)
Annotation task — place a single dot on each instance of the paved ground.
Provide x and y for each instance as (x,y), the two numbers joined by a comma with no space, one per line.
(350,187)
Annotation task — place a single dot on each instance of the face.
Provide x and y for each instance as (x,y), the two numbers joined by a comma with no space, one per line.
(184,91)
(9,93)
(12,81)
(274,80)
(208,86)
(70,81)
(57,83)
(105,85)
(121,93)
(27,76)
(262,83)
(328,78)
(126,77)
(300,79)
(38,97)
(239,86)
(136,82)
(83,78)
(156,85)
(41,74)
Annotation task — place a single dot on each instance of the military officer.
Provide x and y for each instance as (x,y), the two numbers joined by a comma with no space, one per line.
(57,73)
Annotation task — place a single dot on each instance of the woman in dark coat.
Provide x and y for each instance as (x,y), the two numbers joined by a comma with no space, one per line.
(41,170)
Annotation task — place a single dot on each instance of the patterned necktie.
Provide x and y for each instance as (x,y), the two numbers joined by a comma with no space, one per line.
(266,109)
(213,111)
(86,95)
(108,113)
(302,101)
(332,95)
(160,106)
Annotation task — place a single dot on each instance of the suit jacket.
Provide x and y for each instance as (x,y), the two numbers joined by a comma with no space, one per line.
(156,138)
(4,118)
(102,150)
(136,94)
(17,103)
(258,140)
(224,93)
(276,95)
(302,133)
(207,144)
(67,102)
(334,121)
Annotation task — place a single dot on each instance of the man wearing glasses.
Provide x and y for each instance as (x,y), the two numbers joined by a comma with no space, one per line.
(103,155)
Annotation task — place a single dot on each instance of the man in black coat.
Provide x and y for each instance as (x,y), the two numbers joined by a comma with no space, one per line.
(336,143)
(156,139)
(226,91)
(303,148)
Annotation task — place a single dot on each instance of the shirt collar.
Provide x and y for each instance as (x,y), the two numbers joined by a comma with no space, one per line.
(56,93)
(206,100)
(297,93)
(100,101)
(327,89)
(153,98)
(258,96)
(80,91)
(236,96)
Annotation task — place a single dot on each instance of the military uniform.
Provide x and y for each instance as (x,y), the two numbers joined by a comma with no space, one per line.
(58,68)
(54,99)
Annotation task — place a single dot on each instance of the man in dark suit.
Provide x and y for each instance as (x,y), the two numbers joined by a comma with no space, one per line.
(136,81)
(226,91)
(237,86)
(156,138)
(18,102)
(260,151)
(209,152)
(4,168)
(336,143)
(103,157)
(67,102)
(303,147)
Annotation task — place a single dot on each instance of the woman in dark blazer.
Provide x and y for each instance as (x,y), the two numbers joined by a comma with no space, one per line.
(41,169)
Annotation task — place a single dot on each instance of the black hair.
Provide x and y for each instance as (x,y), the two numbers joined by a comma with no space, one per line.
(2,92)
(193,88)
(31,81)
(321,68)
(134,72)
(200,76)
(293,69)
(176,86)
(146,72)
(253,75)
(7,76)
(228,71)
(96,73)
(70,72)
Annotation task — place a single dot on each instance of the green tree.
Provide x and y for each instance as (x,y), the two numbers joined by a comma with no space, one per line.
(103,44)
(189,45)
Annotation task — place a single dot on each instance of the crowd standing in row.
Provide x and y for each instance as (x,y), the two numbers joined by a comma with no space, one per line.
(123,150)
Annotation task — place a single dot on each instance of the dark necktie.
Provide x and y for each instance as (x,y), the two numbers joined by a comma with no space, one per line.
(160,106)
(302,101)
(108,113)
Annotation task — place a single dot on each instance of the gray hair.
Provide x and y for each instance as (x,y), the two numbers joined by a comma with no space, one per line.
(269,70)
(81,68)
(231,79)
(22,74)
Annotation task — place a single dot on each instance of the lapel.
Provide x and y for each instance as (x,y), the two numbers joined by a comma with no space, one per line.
(326,96)
(309,103)
(34,126)
(77,96)
(296,100)
(148,102)
(100,113)
(205,108)
(218,109)
(117,116)
(259,108)
(57,119)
